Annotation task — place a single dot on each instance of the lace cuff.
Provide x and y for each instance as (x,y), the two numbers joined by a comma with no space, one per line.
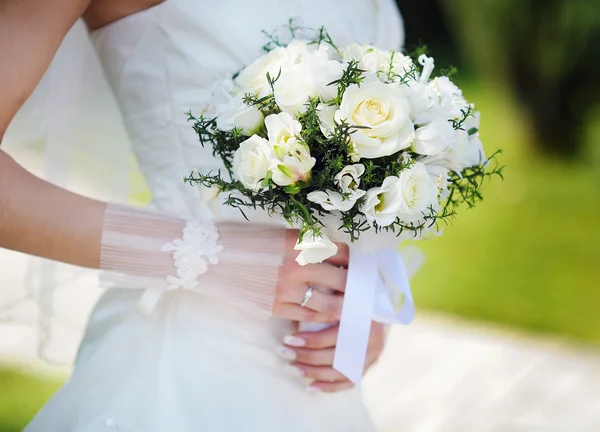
(236,263)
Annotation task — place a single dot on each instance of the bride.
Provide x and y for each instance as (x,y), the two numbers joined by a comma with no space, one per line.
(180,342)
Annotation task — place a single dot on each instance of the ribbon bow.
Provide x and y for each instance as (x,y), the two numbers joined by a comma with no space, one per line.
(377,289)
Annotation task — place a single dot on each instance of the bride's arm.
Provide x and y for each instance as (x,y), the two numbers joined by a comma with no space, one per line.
(41,219)
(30,34)
(44,220)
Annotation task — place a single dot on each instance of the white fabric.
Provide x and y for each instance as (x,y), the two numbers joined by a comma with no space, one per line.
(198,363)
(154,252)
(71,133)
(377,289)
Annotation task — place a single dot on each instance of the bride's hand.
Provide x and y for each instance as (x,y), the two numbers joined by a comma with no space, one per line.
(295,279)
(311,356)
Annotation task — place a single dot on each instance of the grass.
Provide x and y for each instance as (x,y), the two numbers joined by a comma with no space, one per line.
(527,257)
(21,397)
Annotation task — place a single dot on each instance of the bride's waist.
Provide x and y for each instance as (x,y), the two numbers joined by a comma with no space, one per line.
(188,314)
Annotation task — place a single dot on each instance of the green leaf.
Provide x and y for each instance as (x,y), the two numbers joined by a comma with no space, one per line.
(287,171)
(292,189)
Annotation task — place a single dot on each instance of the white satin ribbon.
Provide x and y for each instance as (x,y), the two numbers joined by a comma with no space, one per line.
(377,289)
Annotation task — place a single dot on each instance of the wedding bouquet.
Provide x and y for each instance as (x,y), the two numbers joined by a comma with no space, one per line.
(353,144)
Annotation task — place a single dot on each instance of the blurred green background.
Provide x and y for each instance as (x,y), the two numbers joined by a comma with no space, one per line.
(528,256)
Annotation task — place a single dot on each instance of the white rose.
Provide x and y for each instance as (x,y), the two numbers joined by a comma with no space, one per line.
(210,197)
(251,162)
(348,181)
(422,101)
(236,114)
(440,177)
(449,97)
(382,203)
(281,128)
(466,152)
(434,138)
(382,111)
(307,78)
(439,97)
(326,115)
(472,123)
(314,249)
(417,192)
(377,61)
(253,78)
(293,163)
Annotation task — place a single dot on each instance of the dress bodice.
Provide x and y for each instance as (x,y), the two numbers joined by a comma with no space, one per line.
(162,62)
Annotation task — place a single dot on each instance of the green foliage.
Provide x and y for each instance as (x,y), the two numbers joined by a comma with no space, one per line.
(332,153)
(22,396)
(527,257)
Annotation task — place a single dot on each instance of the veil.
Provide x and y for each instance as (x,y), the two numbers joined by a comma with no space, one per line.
(70,133)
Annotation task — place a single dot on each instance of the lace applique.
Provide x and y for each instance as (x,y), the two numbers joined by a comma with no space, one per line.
(193,253)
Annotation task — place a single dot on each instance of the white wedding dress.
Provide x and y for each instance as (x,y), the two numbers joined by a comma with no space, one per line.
(196,364)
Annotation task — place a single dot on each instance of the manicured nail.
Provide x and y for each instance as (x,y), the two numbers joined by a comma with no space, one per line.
(313,390)
(286,353)
(294,341)
(293,371)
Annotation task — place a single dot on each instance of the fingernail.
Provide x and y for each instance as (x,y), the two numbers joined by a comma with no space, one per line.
(294,341)
(313,390)
(286,353)
(293,371)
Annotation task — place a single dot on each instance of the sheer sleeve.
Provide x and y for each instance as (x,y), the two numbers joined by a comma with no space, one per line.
(236,263)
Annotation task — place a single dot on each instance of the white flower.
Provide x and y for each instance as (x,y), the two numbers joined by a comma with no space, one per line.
(439,97)
(326,115)
(377,61)
(292,163)
(382,203)
(251,162)
(440,177)
(253,78)
(348,181)
(417,192)
(449,97)
(422,100)
(236,114)
(281,128)
(466,152)
(307,78)
(382,113)
(434,138)
(314,249)
(210,197)
(472,123)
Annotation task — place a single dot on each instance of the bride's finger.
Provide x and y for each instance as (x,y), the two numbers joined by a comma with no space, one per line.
(328,387)
(329,304)
(326,338)
(342,257)
(312,357)
(295,312)
(317,373)
(324,275)
(319,301)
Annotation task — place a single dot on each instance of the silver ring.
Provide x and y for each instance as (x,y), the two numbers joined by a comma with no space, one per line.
(307,295)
